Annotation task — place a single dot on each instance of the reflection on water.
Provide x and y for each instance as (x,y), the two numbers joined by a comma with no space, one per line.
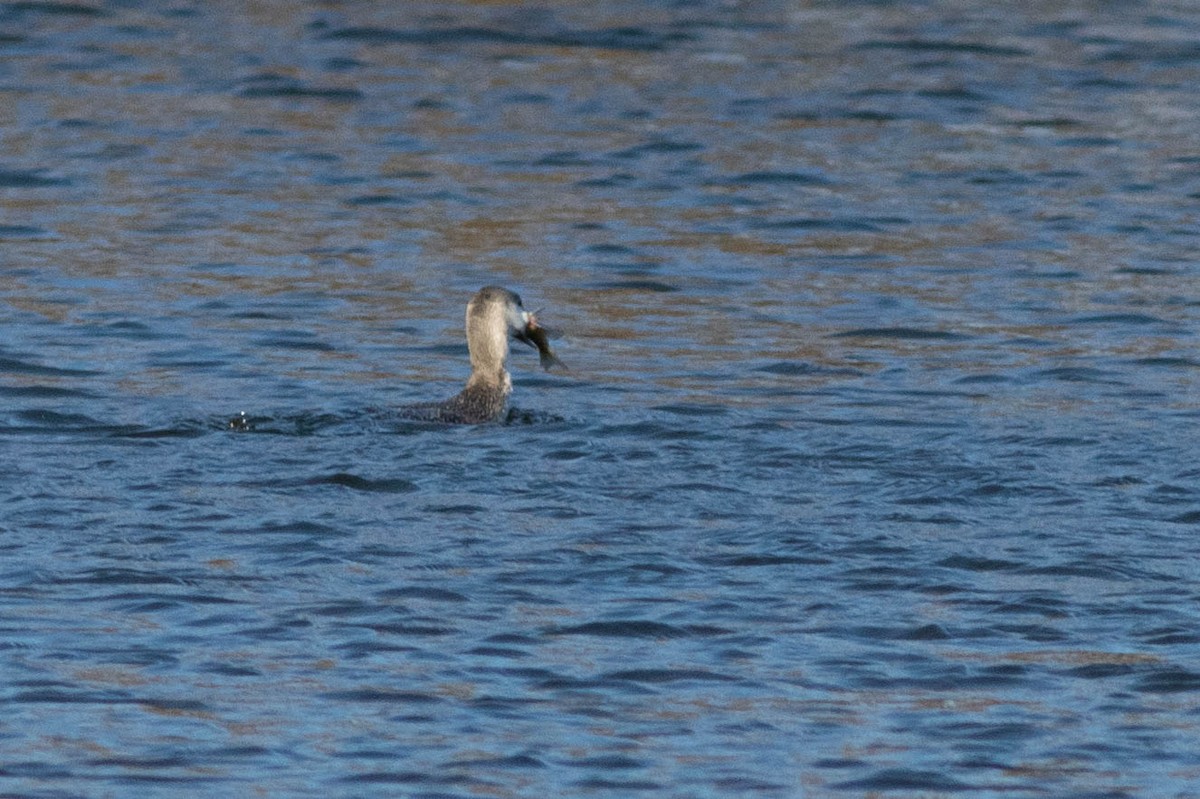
(873,474)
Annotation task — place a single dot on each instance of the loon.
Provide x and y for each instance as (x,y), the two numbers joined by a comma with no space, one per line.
(493,314)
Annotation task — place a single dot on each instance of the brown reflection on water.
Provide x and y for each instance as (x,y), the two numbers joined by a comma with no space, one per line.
(171,168)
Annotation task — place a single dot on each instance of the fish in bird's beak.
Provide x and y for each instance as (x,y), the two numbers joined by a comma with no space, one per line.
(522,334)
(535,336)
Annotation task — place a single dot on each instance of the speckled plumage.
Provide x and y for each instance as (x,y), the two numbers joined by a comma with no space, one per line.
(493,314)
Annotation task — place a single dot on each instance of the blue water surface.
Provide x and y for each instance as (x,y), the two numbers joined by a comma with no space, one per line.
(874,474)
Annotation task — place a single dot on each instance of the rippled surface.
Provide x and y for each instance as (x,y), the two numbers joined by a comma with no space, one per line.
(875,472)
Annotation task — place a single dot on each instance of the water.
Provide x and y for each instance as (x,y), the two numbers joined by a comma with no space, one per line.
(875,473)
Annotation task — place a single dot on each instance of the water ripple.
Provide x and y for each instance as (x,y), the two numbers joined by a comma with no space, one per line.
(622,38)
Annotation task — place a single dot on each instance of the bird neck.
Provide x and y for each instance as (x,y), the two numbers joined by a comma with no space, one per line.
(490,380)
